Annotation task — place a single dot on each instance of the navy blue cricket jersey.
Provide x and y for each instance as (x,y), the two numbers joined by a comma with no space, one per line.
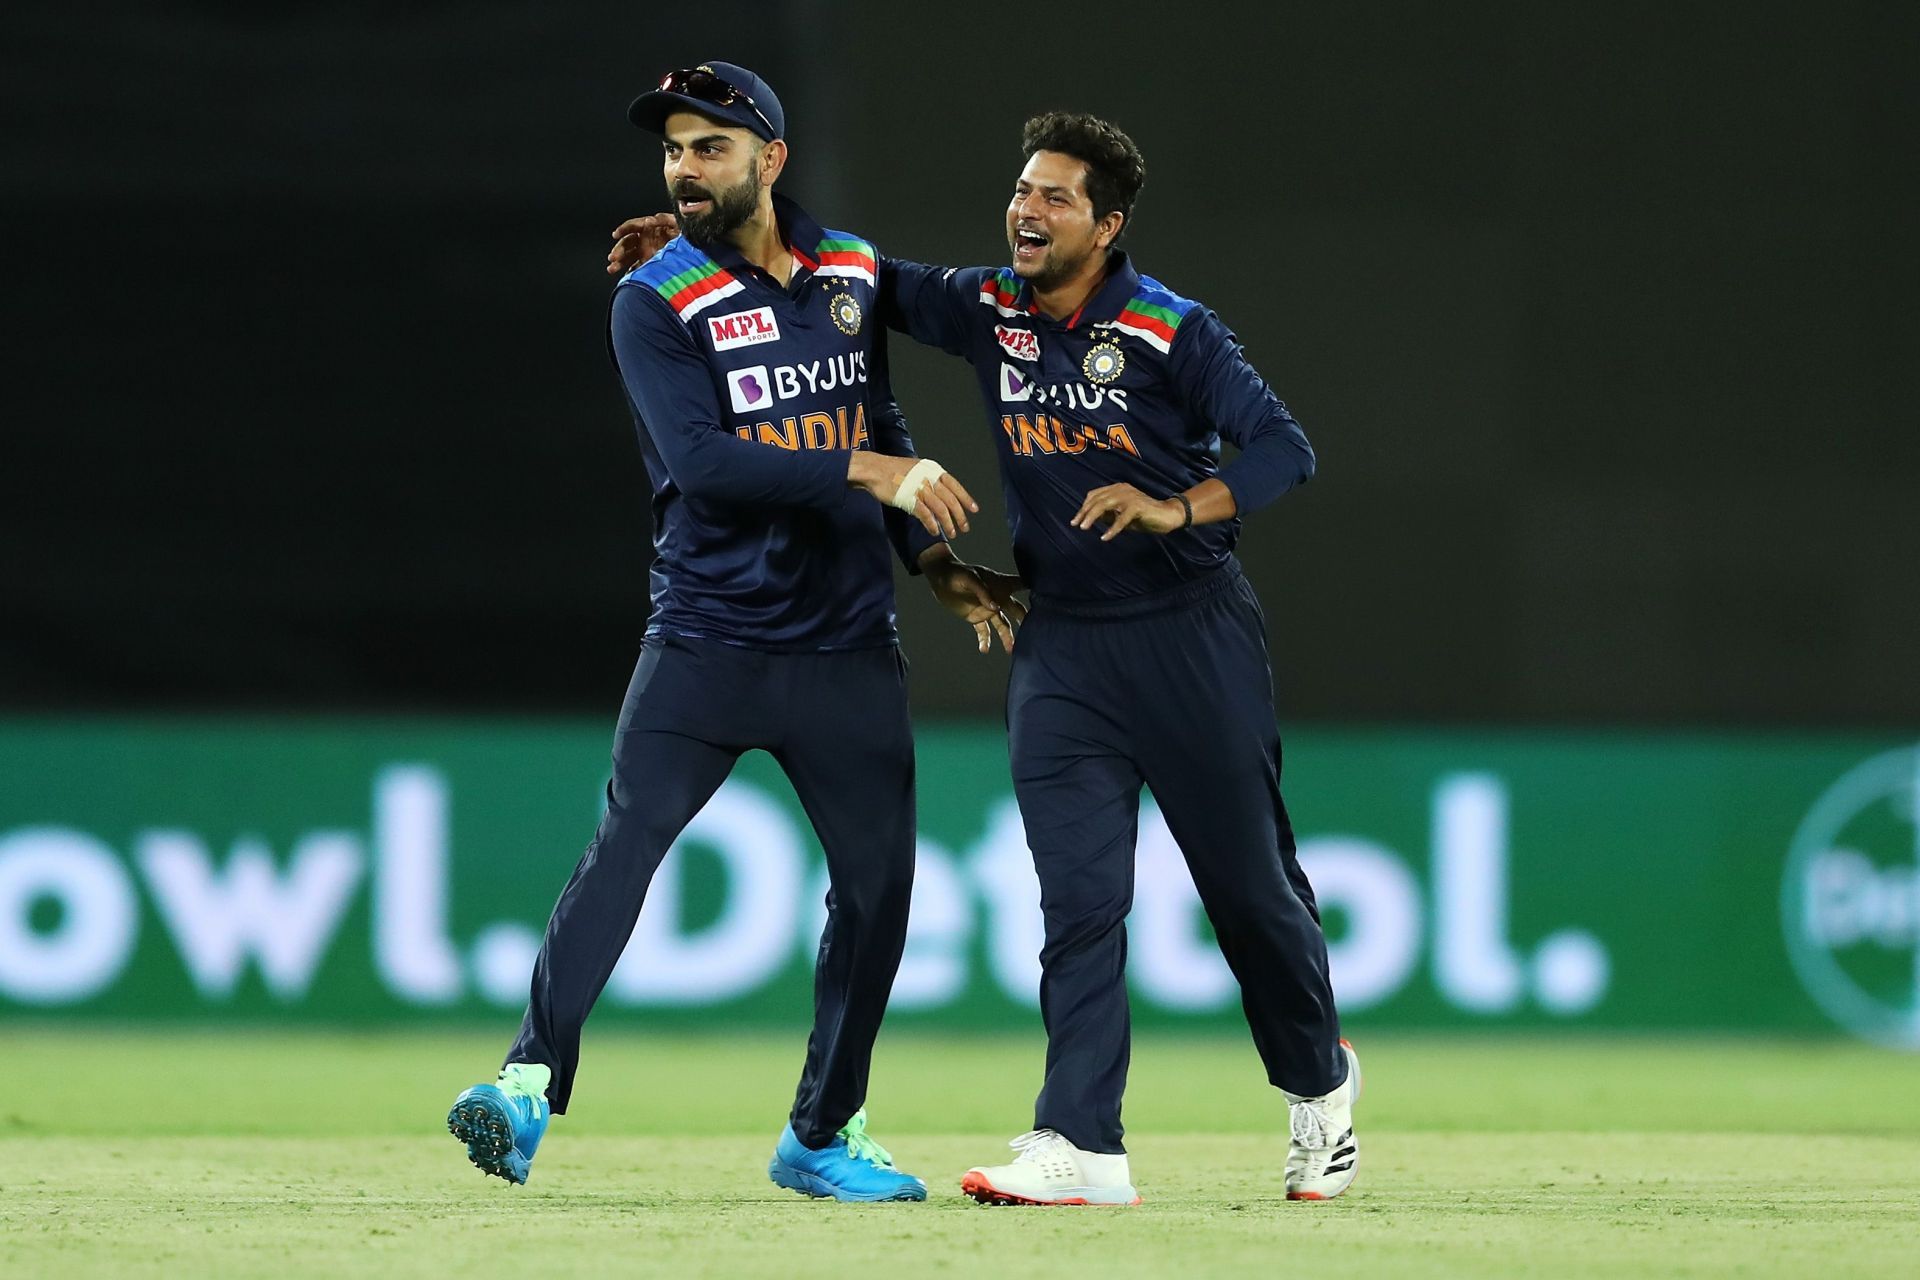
(748,398)
(1141,386)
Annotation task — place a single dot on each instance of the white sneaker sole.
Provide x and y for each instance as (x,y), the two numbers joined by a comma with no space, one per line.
(977,1185)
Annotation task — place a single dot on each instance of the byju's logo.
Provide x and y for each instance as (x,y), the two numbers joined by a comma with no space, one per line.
(1850,904)
(1015,385)
(748,389)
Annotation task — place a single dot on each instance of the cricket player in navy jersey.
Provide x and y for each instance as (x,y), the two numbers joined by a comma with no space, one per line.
(756,374)
(1144,657)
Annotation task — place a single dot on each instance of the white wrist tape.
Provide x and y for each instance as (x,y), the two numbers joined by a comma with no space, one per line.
(919,476)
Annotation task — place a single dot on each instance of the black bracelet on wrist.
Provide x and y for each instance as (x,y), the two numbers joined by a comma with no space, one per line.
(1183,500)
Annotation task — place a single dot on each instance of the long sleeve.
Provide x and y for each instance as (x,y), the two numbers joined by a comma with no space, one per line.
(931,305)
(671,391)
(887,425)
(1211,373)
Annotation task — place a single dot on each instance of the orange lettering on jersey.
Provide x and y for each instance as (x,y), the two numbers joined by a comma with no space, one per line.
(785,435)
(1033,435)
(1050,435)
(859,426)
(745,433)
(816,430)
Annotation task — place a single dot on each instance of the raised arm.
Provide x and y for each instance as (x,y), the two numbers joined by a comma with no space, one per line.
(931,305)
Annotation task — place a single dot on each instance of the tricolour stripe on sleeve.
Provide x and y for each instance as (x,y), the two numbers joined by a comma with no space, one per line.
(697,288)
(1151,323)
(1000,293)
(849,257)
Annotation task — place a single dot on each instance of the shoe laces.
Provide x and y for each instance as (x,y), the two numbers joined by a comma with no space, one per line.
(1036,1145)
(1312,1126)
(524,1080)
(862,1147)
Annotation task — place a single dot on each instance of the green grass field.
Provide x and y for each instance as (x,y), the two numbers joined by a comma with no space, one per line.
(290,1155)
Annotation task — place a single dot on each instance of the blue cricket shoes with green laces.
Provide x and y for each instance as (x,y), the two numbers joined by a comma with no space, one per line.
(851,1167)
(502,1123)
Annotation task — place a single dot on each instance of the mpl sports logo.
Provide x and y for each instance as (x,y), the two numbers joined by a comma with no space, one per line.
(1021,344)
(1850,903)
(743,328)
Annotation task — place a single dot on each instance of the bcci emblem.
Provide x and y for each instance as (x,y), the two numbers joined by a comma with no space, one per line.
(846,313)
(1850,905)
(1104,363)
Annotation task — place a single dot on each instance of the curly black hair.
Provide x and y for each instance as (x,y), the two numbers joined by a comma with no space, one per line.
(1115,169)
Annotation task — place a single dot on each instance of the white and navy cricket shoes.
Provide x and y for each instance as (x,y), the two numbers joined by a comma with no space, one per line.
(1323,1155)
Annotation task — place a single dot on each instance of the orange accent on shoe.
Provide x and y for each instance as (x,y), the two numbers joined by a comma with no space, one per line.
(986,1193)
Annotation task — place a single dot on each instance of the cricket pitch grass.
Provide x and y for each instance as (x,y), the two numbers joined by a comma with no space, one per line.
(285,1155)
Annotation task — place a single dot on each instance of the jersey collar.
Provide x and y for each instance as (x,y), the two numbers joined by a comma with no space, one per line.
(1114,293)
(797,227)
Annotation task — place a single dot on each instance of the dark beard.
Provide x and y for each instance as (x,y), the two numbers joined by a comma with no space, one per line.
(1058,270)
(731,210)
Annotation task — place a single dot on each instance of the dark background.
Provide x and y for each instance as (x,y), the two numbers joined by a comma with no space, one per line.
(1601,318)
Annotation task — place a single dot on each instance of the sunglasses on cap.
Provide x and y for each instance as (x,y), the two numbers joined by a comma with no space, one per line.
(700,83)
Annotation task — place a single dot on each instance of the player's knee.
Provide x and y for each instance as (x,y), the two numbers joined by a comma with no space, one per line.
(874,900)
(636,834)
(1253,904)
(891,892)
(1073,924)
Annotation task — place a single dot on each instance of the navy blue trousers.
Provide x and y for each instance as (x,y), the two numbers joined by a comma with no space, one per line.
(1172,691)
(837,723)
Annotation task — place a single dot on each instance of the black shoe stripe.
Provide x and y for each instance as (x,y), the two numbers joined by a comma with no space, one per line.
(1343,1153)
(1340,1168)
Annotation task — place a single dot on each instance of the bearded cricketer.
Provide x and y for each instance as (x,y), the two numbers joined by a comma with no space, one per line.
(757,380)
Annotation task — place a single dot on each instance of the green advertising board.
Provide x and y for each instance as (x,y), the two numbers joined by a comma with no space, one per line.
(368,870)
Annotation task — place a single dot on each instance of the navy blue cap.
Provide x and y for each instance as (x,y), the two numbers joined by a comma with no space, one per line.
(755,106)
